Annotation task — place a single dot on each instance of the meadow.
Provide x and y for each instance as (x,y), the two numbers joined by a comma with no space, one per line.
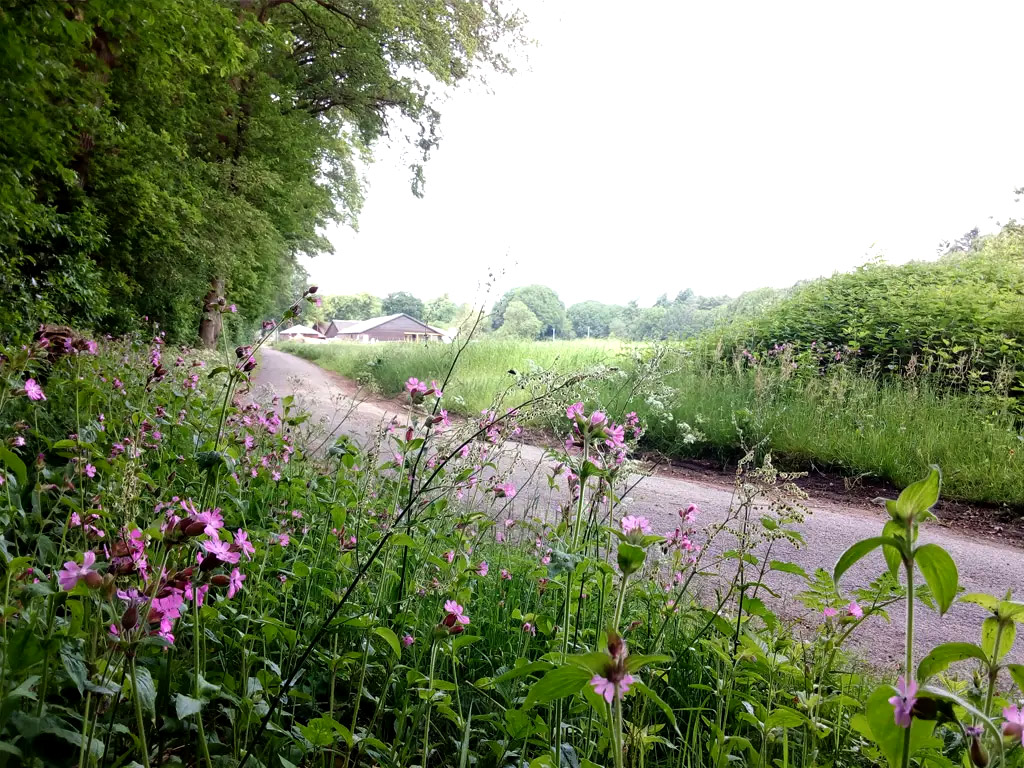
(187,582)
(697,403)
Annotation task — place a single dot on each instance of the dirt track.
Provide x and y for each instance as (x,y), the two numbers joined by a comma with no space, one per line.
(984,566)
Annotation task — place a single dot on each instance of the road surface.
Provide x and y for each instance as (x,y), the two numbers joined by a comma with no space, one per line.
(984,566)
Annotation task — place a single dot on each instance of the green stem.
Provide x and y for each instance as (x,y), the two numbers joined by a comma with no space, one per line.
(430,704)
(993,671)
(139,719)
(619,602)
(908,671)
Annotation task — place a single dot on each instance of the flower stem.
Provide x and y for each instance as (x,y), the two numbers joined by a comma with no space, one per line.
(430,705)
(139,719)
(908,671)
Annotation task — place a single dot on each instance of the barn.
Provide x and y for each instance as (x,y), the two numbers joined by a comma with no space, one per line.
(398,327)
(301,333)
(333,328)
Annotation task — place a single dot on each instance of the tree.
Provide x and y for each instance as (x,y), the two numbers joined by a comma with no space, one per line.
(540,300)
(156,152)
(440,311)
(360,306)
(592,319)
(520,321)
(403,302)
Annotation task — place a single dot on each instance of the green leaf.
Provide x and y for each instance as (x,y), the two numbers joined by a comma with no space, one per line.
(860,549)
(784,567)
(1017,673)
(525,669)
(638,661)
(556,684)
(892,556)
(74,665)
(784,717)
(630,557)
(403,540)
(184,706)
(390,638)
(939,572)
(655,699)
(15,464)
(942,656)
(980,598)
(886,734)
(146,689)
(989,632)
(942,693)
(917,498)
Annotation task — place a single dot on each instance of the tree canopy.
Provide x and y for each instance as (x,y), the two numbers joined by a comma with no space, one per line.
(520,321)
(404,302)
(542,301)
(151,149)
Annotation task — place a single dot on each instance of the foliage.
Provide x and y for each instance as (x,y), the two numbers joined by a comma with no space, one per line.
(440,311)
(361,306)
(150,147)
(541,301)
(402,302)
(185,574)
(520,322)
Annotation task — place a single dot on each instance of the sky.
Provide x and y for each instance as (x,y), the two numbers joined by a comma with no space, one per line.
(643,148)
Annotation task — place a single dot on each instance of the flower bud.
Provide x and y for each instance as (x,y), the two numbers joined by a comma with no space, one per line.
(979,755)
(130,617)
(409,434)
(93,580)
(312,289)
(220,580)
(209,563)
(925,709)
(195,528)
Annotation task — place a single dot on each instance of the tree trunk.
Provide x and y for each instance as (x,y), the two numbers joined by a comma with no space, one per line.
(211,323)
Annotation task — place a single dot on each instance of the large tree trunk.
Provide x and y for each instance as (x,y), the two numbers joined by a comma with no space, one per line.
(211,323)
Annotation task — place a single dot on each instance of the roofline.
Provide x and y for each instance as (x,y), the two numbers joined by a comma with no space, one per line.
(389,318)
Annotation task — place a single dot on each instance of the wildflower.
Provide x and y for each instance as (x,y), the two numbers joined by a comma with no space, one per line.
(631,523)
(283,539)
(90,471)
(504,491)
(545,560)
(408,640)
(275,475)
(243,543)
(33,390)
(1014,725)
(483,568)
(72,573)
(455,618)
(690,514)
(505,575)
(904,702)
(574,411)
(607,688)
(597,418)
(415,387)
(19,441)
(499,536)
(237,577)
(221,550)
(529,628)
(233,308)
(435,389)
(449,555)
(830,613)
(855,610)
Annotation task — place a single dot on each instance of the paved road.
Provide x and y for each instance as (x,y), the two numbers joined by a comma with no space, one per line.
(984,566)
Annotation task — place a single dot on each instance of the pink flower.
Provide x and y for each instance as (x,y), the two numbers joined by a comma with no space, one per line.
(235,583)
(455,610)
(33,390)
(545,560)
(504,491)
(529,628)
(597,418)
(435,389)
(221,550)
(691,513)
(283,539)
(19,441)
(449,555)
(483,568)
(243,543)
(631,523)
(607,689)
(416,387)
(904,702)
(90,470)
(855,610)
(72,572)
(408,640)
(499,536)
(505,575)
(1014,725)
(233,308)
(573,411)
(830,613)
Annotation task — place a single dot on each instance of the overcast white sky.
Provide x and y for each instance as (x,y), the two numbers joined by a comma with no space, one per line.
(648,147)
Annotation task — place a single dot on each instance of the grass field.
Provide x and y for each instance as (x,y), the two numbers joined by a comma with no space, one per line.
(842,422)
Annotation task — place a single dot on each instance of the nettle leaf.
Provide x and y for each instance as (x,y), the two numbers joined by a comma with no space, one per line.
(785,567)
(635,662)
(939,572)
(74,665)
(146,689)
(556,684)
(862,548)
(948,653)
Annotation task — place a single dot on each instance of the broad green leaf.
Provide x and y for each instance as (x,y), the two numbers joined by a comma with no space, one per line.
(638,661)
(403,540)
(784,717)
(784,567)
(892,556)
(942,693)
(948,653)
(74,665)
(980,598)
(15,464)
(390,638)
(185,706)
(147,690)
(1017,673)
(886,734)
(630,557)
(939,572)
(525,669)
(556,684)
(917,498)
(989,632)
(859,550)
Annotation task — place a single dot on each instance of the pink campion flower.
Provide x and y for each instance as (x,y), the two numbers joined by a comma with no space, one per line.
(243,543)
(90,470)
(91,346)
(233,308)
(435,389)
(573,411)
(529,629)
(221,550)
(504,491)
(214,521)
(545,560)
(235,583)
(33,390)
(855,610)
(275,475)
(607,689)
(505,575)
(690,513)
(631,523)
(903,702)
(483,568)
(597,418)
(416,387)
(283,539)
(455,610)
(72,572)
(18,441)
(449,555)
(499,536)
(830,613)
(408,640)
(1014,723)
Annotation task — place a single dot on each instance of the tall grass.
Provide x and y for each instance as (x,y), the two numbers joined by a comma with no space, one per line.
(890,429)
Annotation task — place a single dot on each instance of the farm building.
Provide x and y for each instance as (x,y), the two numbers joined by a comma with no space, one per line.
(301,333)
(333,328)
(398,327)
